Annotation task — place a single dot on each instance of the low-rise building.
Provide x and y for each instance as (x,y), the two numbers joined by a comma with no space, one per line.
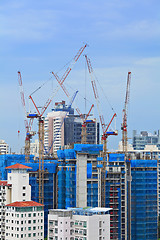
(17,209)
(24,220)
(78,224)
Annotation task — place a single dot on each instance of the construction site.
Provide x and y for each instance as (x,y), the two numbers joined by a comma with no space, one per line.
(75,169)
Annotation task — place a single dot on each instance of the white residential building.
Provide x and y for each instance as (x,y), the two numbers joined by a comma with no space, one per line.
(4,199)
(4,148)
(16,188)
(79,224)
(24,220)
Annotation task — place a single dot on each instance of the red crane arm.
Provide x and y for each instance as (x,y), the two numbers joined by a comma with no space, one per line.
(35,105)
(110,122)
(93,82)
(60,81)
(89,112)
(75,59)
(62,86)
(67,94)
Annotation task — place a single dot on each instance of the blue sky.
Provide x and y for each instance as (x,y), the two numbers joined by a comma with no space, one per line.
(37,37)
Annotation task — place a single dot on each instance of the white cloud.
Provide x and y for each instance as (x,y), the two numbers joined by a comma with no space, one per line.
(29,25)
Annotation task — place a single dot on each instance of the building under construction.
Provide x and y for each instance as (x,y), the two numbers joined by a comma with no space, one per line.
(74,180)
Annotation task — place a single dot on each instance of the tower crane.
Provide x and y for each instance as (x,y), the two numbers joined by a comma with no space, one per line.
(125,145)
(83,117)
(40,117)
(124,117)
(105,132)
(28,123)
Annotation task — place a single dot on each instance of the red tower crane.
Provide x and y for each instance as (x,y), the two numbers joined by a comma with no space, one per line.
(125,145)
(28,124)
(83,117)
(105,132)
(124,117)
(40,117)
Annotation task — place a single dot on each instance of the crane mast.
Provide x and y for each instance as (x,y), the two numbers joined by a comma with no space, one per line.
(28,124)
(124,118)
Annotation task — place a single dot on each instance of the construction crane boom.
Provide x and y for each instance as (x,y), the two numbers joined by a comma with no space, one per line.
(84,124)
(75,59)
(105,134)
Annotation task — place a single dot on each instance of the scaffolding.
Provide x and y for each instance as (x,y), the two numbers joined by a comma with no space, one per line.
(144,197)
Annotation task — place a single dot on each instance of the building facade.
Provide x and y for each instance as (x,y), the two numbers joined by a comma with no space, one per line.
(145,138)
(144,199)
(4,148)
(24,220)
(78,223)
(15,190)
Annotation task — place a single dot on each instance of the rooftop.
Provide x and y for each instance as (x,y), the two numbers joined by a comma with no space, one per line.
(25,204)
(88,211)
(4,183)
(18,166)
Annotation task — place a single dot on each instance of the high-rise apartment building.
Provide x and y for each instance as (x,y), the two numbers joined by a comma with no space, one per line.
(145,138)
(78,223)
(63,128)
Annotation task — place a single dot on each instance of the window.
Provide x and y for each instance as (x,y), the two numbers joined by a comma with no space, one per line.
(24,187)
(29,214)
(24,194)
(34,214)
(29,235)
(29,228)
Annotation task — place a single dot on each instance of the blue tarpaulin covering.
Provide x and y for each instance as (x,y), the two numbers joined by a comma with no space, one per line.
(88,148)
(143,163)
(89,170)
(116,157)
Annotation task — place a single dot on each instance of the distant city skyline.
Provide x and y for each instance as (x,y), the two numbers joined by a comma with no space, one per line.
(39,37)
